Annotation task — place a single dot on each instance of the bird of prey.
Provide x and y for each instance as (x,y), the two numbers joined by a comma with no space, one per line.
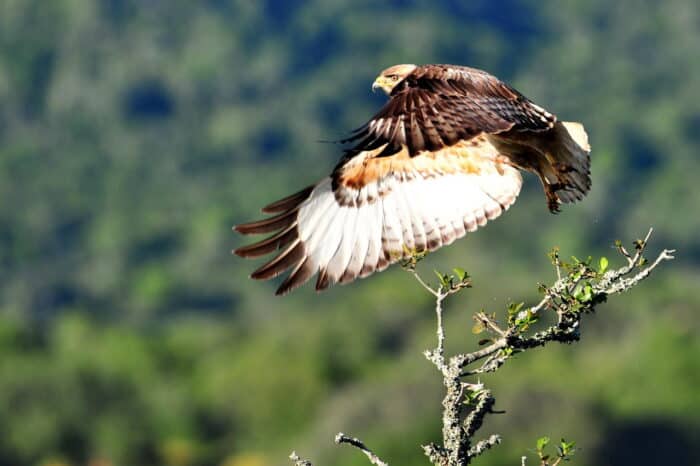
(439,159)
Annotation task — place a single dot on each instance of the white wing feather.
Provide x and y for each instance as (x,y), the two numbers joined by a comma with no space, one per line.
(387,219)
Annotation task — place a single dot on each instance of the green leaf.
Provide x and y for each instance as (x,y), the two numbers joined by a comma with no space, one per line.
(472,396)
(584,292)
(542,443)
(461,273)
(567,447)
(514,308)
(566,450)
(603,264)
(444,279)
(587,293)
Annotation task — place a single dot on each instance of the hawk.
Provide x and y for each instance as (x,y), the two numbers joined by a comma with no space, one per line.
(440,159)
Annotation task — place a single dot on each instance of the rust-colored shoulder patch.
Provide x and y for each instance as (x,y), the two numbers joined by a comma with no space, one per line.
(472,156)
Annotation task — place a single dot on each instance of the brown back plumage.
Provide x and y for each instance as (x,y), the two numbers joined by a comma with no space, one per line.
(438,105)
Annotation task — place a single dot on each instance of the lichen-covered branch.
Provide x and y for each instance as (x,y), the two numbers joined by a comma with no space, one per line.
(339,439)
(299,461)
(374,459)
(575,293)
(580,287)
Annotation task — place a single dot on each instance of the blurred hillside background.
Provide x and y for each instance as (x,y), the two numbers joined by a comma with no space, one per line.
(134,134)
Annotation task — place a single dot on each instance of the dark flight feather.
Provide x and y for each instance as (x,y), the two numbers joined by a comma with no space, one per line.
(440,105)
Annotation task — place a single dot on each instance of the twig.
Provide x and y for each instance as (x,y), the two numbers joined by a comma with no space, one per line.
(483,445)
(374,459)
(437,356)
(489,323)
(464,360)
(632,260)
(299,461)
(625,284)
(427,287)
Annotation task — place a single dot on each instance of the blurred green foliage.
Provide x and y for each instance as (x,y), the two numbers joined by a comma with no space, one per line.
(133,134)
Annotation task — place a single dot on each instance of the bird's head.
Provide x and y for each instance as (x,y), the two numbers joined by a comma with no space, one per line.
(390,77)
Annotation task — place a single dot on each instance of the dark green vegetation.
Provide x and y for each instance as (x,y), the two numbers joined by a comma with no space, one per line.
(133,134)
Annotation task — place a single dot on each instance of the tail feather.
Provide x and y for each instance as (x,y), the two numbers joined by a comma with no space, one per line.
(578,134)
(568,176)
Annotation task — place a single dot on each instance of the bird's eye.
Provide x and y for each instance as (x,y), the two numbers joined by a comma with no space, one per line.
(394,77)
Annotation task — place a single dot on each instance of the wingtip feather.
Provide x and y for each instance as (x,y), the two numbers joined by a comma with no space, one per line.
(288,202)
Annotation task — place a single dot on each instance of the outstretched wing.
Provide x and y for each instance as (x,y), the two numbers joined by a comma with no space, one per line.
(439,105)
(420,174)
(376,209)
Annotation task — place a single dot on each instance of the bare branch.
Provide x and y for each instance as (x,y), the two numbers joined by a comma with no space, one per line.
(437,356)
(625,284)
(374,459)
(483,445)
(299,461)
(489,323)
(470,358)
(427,287)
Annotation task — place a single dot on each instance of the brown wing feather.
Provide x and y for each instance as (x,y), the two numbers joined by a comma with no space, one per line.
(438,105)
(269,224)
(268,245)
(285,204)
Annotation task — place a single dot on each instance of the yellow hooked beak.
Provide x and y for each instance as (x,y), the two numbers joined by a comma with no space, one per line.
(384,84)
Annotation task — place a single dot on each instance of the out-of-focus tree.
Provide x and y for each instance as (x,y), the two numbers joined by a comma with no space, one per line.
(134,134)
